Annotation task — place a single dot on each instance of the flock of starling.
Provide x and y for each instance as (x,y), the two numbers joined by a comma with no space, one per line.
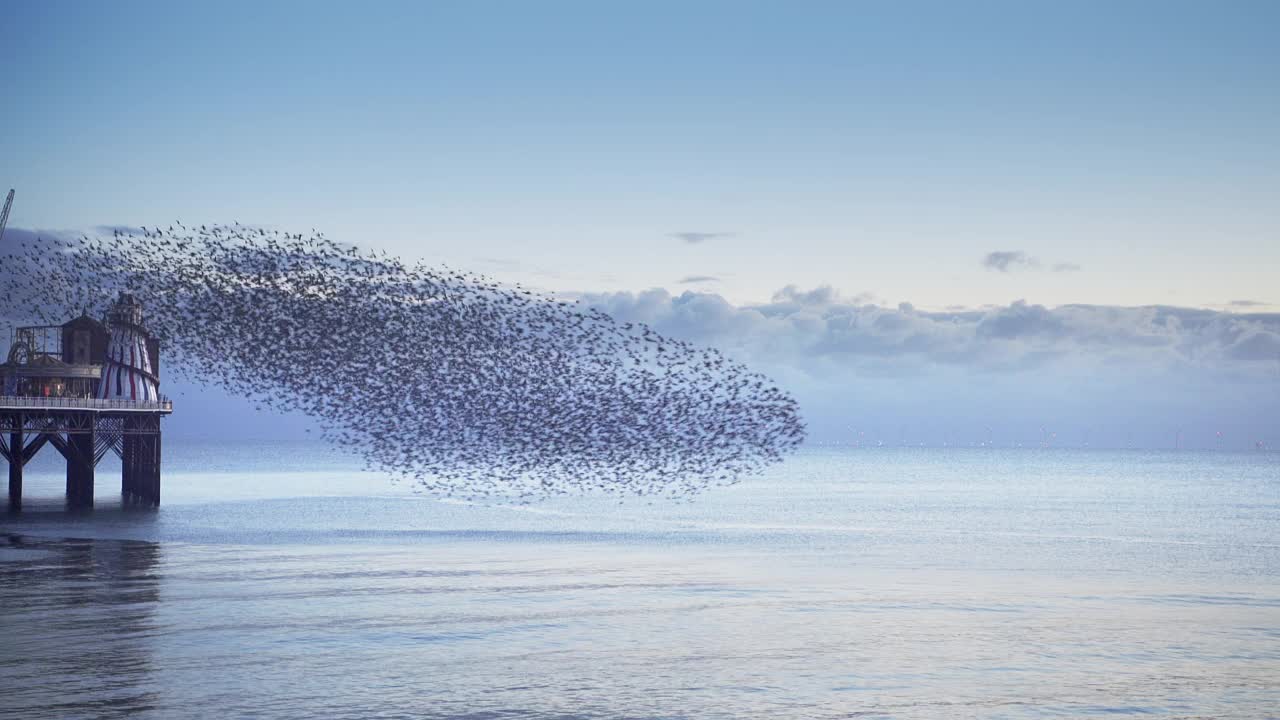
(471,388)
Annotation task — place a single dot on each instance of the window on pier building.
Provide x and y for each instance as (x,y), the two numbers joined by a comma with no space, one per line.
(80,345)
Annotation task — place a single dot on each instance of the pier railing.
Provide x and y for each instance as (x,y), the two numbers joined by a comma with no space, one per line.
(20,402)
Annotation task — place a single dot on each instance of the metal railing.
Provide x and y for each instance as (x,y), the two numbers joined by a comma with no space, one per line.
(9,402)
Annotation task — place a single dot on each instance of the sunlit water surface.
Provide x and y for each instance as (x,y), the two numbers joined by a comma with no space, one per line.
(278,582)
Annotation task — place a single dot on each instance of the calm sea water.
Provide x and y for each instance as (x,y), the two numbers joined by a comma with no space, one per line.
(283,583)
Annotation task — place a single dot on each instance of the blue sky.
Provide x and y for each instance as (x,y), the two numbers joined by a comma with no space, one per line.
(1124,153)
(877,147)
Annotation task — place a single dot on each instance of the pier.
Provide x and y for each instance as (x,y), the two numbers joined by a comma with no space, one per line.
(85,388)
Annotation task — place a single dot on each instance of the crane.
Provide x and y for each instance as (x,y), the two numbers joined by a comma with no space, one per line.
(4,216)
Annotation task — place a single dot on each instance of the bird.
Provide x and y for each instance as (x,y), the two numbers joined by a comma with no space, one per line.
(436,375)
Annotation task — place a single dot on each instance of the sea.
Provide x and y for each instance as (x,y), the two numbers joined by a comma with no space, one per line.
(279,580)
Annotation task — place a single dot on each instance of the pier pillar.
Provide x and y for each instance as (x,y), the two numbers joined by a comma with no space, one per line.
(140,460)
(80,462)
(16,441)
(140,471)
(155,473)
(129,465)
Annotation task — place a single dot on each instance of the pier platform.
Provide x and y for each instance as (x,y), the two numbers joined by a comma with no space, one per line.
(83,431)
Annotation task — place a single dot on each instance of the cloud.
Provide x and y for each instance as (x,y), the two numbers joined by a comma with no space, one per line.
(792,295)
(1248,303)
(1019,320)
(1008,261)
(1257,346)
(122,229)
(499,263)
(820,332)
(13,236)
(694,279)
(693,238)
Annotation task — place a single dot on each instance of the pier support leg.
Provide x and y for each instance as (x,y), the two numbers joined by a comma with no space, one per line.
(140,461)
(80,470)
(16,440)
(141,471)
(155,496)
(129,466)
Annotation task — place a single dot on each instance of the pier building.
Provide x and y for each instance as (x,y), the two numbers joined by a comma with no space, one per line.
(86,388)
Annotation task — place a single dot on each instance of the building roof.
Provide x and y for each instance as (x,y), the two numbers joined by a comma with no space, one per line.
(84,321)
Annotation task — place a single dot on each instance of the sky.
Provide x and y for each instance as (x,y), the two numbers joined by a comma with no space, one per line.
(925,165)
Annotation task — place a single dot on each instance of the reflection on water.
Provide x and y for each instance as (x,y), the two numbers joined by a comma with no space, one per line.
(76,619)
(908,585)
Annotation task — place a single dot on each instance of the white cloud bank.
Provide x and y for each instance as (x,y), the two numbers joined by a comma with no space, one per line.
(822,332)
(1118,375)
